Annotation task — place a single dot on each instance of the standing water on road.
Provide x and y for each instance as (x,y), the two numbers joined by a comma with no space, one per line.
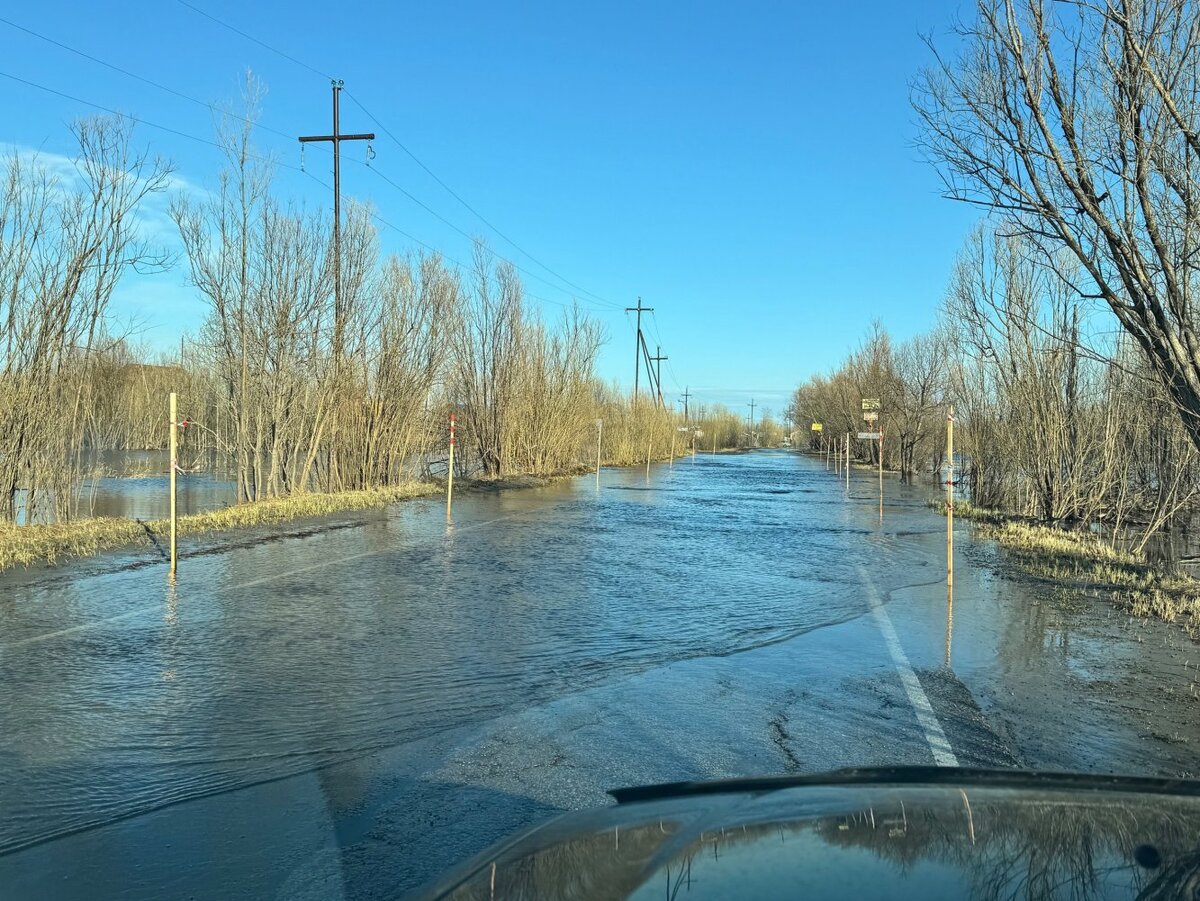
(361,705)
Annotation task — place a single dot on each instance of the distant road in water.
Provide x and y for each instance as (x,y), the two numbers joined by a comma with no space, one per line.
(347,712)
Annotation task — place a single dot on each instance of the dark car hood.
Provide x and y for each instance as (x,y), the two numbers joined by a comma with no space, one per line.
(920,833)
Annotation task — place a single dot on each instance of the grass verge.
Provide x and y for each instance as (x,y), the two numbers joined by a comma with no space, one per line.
(1084,563)
(28,545)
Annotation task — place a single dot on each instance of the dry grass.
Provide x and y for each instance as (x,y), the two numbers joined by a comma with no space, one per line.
(297,506)
(28,545)
(1083,562)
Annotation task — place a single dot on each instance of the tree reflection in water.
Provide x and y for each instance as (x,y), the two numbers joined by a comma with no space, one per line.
(995,844)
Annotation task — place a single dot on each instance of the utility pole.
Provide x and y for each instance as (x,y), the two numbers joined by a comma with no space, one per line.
(637,349)
(336,139)
(686,395)
(751,405)
(657,361)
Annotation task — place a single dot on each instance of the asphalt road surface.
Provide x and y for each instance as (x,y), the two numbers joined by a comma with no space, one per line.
(347,710)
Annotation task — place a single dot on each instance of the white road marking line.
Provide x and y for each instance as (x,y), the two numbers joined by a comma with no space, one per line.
(129,614)
(81,628)
(939,745)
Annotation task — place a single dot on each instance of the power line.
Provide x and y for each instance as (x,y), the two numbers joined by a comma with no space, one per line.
(658,334)
(403,147)
(254,156)
(255,40)
(154,84)
(138,119)
(387,131)
(380,174)
(445,256)
(254,124)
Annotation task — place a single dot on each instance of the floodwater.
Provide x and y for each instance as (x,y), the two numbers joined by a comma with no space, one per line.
(136,485)
(349,708)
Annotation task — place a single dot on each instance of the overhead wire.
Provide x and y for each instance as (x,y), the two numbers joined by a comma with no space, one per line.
(596,298)
(412,197)
(407,151)
(254,124)
(144,80)
(140,120)
(255,40)
(468,206)
(658,335)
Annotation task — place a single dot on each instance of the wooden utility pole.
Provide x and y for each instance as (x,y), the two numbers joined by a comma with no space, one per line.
(686,395)
(881,470)
(173,444)
(657,361)
(750,428)
(637,348)
(336,139)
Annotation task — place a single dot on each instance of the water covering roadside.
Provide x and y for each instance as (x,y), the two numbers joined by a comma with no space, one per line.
(631,615)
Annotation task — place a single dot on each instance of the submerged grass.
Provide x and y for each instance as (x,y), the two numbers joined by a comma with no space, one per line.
(28,545)
(1085,563)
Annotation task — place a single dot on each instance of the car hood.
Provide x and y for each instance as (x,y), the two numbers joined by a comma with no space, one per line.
(923,833)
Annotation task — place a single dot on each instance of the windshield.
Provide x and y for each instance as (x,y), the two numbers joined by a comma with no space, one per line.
(339,541)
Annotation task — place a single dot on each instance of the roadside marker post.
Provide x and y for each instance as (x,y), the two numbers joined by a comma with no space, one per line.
(649,447)
(949,528)
(450,470)
(872,414)
(847,463)
(599,436)
(671,463)
(173,443)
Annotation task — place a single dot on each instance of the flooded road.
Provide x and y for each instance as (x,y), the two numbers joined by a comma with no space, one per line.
(348,711)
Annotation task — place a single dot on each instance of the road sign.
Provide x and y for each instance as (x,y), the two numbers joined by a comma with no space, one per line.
(817,427)
(869,436)
(871,416)
(870,403)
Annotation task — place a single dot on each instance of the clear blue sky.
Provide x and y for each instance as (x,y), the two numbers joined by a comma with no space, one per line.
(747,169)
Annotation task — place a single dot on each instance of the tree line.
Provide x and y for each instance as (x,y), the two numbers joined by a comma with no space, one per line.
(290,385)
(1057,417)
(1069,341)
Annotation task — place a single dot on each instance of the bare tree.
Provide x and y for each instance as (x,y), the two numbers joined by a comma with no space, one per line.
(64,244)
(1076,122)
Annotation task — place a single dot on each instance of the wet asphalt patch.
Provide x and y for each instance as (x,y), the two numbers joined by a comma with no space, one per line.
(974,740)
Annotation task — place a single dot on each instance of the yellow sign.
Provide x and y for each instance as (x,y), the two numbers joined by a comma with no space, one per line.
(870,403)
(816,427)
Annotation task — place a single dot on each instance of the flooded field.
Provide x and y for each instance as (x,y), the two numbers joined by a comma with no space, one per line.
(347,710)
(134,485)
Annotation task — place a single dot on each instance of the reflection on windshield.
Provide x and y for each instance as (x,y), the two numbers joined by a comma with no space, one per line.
(958,843)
